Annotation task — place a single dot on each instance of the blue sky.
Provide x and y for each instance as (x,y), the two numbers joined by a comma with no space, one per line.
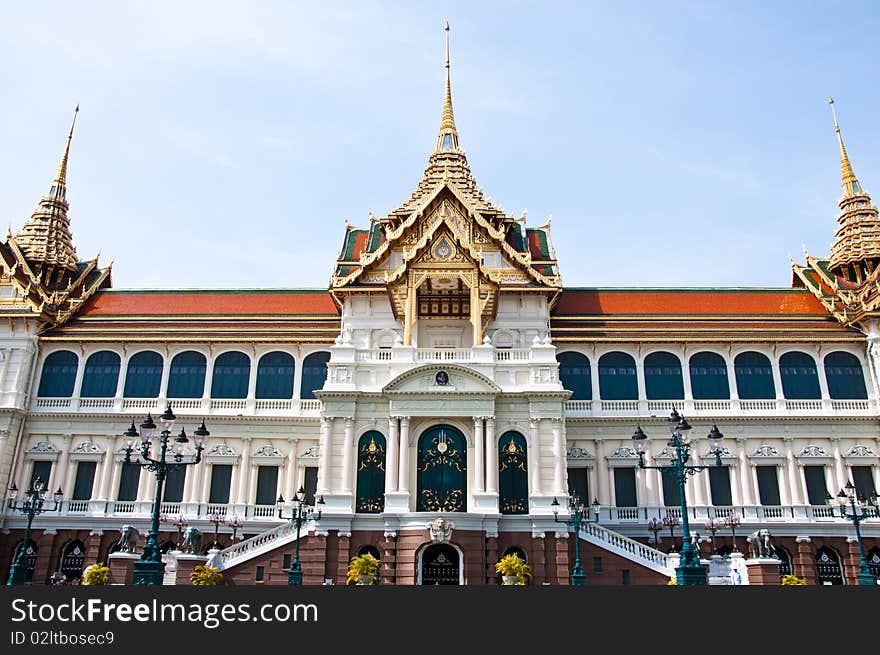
(222,145)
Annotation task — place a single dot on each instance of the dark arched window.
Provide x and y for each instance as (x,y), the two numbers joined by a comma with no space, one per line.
(441,470)
(574,373)
(232,371)
(846,380)
(663,377)
(754,376)
(275,376)
(59,375)
(101,375)
(709,377)
(800,380)
(828,566)
(371,473)
(186,379)
(513,474)
(617,377)
(314,374)
(370,550)
(72,558)
(30,557)
(784,558)
(873,558)
(144,375)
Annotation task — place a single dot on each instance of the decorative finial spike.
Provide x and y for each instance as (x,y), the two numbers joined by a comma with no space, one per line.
(447,139)
(851,186)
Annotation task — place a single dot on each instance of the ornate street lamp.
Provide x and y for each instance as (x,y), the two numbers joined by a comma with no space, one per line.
(579,514)
(30,505)
(858,512)
(655,525)
(713,526)
(689,570)
(150,569)
(217,520)
(180,522)
(671,521)
(299,514)
(235,523)
(733,521)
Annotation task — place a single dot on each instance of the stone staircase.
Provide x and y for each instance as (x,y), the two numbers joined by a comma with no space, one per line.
(264,542)
(631,549)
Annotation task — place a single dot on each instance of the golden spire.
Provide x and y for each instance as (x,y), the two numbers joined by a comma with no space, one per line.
(447,139)
(851,186)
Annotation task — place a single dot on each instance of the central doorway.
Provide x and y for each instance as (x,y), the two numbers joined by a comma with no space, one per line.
(441,565)
(442,467)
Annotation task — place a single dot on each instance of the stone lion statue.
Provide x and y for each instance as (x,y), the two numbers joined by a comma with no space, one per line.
(128,540)
(192,541)
(760,545)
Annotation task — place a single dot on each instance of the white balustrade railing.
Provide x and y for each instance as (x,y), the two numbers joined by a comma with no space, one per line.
(629,548)
(443,354)
(169,508)
(77,506)
(850,405)
(44,403)
(578,406)
(757,405)
(120,507)
(627,513)
(140,403)
(803,405)
(216,508)
(620,406)
(310,405)
(226,403)
(228,556)
(513,355)
(712,405)
(277,405)
(262,511)
(821,512)
(96,403)
(185,403)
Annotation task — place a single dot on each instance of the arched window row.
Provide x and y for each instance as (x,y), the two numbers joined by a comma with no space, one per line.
(707,373)
(187,374)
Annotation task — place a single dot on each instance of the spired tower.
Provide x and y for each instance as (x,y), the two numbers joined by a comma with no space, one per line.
(445,337)
(42,284)
(847,282)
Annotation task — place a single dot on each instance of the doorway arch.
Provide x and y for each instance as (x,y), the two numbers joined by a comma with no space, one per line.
(828,567)
(442,470)
(72,558)
(441,564)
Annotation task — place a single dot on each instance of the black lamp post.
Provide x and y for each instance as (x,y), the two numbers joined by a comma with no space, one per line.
(858,512)
(217,520)
(150,568)
(732,521)
(689,571)
(655,525)
(179,522)
(30,505)
(671,521)
(713,526)
(235,523)
(299,514)
(579,514)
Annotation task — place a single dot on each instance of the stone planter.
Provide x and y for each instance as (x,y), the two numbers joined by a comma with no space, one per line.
(366,580)
(508,579)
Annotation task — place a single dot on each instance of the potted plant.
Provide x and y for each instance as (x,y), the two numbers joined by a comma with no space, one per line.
(792,580)
(363,570)
(96,574)
(206,576)
(513,570)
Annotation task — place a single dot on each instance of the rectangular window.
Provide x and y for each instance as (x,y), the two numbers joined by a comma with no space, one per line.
(624,577)
(261,573)
(816,489)
(286,563)
(768,485)
(42,469)
(221,480)
(719,484)
(597,564)
(128,481)
(578,484)
(85,479)
(311,483)
(174,481)
(863,478)
(267,485)
(671,492)
(625,487)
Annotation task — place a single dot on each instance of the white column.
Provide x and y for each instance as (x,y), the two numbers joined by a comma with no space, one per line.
(686,375)
(795,479)
(535,455)
(113,492)
(347,449)
(839,466)
(209,377)
(244,473)
(747,495)
(649,478)
(559,459)
(391,455)
(594,381)
(602,489)
(404,455)
(491,457)
(206,484)
(731,377)
(106,474)
(198,472)
(324,460)
(61,471)
(777,379)
(253,472)
(290,474)
(479,446)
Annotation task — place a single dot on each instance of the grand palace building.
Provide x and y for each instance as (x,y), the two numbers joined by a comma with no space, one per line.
(445,373)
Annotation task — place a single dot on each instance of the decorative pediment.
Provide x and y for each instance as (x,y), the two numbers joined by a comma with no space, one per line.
(41,447)
(221,450)
(812,450)
(86,448)
(576,452)
(860,451)
(267,451)
(624,452)
(441,379)
(765,451)
(312,452)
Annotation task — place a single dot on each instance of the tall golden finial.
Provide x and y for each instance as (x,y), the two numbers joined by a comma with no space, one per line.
(447,139)
(851,186)
(61,176)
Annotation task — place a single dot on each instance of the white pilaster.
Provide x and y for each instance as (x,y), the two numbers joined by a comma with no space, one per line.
(479,447)
(491,457)
(347,450)
(559,459)
(391,455)
(324,460)
(244,472)
(535,455)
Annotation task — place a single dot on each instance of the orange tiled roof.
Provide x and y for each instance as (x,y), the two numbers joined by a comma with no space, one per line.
(274,302)
(665,302)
